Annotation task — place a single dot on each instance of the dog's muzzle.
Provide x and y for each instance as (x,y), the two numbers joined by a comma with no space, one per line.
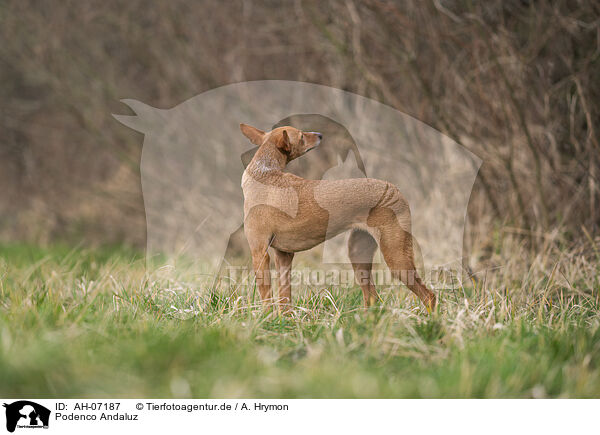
(319,135)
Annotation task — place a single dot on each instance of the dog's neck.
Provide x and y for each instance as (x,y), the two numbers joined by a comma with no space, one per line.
(268,158)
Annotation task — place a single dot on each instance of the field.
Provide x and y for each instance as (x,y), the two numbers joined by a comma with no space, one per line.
(97,323)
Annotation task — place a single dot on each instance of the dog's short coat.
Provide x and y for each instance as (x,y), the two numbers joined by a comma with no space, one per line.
(290,214)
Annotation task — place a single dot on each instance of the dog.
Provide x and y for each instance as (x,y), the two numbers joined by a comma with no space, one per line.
(337,144)
(285,213)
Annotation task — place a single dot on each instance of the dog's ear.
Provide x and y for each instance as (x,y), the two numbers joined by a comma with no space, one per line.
(284,144)
(255,135)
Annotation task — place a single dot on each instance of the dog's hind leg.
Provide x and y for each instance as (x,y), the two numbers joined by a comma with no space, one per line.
(283,262)
(396,246)
(361,248)
(398,254)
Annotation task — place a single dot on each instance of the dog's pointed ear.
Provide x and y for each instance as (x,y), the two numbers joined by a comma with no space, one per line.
(255,135)
(284,144)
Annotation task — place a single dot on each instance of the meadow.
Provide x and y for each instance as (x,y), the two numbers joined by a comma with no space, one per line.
(77,322)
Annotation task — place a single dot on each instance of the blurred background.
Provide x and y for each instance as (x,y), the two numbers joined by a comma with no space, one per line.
(515,82)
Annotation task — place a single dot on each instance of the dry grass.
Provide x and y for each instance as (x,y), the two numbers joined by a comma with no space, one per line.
(89,323)
(514,81)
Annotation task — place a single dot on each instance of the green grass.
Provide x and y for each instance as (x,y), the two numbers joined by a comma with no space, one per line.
(78,323)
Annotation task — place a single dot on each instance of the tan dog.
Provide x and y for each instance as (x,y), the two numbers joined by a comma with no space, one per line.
(291,214)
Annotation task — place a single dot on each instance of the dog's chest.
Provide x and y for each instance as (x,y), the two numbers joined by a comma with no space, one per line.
(263,192)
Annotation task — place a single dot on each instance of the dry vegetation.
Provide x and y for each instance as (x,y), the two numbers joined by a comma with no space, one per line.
(97,323)
(514,81)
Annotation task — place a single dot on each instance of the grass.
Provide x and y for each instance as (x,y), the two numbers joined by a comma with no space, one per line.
(79,323)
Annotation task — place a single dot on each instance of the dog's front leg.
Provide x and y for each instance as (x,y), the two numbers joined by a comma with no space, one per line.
(262,271)
(283,262)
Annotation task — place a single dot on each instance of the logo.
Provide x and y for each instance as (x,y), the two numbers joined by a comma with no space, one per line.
(194,159)
(26,414)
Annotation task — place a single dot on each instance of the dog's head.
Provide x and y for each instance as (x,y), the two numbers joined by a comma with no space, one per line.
(288,140)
